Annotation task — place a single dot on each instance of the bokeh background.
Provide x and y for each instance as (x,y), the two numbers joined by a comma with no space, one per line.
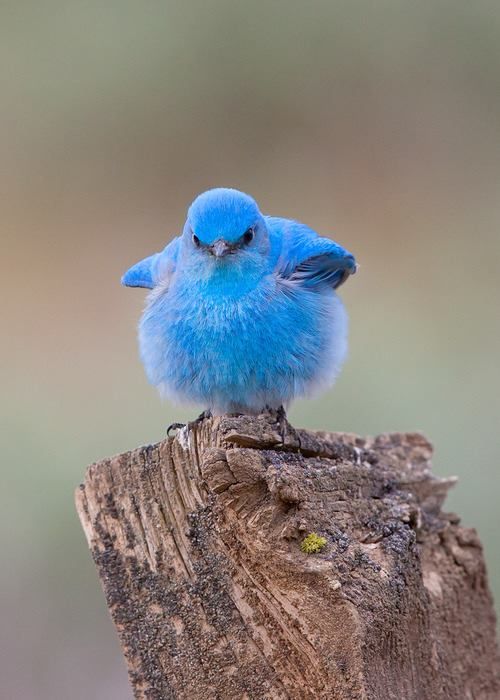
(377,123)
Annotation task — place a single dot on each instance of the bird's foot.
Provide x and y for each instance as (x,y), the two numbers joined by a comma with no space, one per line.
(201,417)
(278,413)
(282,421)
(281,414)
(192,423)
(174,426)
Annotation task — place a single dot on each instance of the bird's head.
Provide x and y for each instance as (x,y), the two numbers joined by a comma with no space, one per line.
(225,227)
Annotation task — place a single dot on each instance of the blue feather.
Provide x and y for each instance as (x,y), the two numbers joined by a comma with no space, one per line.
(154,269)
(244,312)
(142,274)
(310,260)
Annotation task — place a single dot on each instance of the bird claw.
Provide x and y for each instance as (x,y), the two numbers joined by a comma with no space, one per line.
(202,416)
(281,414)
(179,426)
(278,413)
(174,426)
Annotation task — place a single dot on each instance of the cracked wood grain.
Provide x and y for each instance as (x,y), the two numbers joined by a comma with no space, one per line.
(197,544)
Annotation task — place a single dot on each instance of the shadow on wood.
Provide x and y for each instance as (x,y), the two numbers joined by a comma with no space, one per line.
(198,545)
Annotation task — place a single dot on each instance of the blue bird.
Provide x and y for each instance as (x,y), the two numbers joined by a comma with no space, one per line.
(243,313)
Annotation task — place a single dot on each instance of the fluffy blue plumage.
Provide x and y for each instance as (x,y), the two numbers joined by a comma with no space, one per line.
(243,312)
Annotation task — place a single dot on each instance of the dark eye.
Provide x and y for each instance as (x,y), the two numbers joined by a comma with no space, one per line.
(248,235)
(196,240)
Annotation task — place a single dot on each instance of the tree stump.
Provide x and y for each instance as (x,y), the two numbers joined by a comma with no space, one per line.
(197,541)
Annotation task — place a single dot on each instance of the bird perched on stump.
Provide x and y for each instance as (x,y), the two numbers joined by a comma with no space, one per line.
(243,312)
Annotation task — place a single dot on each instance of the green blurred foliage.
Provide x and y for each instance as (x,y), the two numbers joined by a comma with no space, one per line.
(375,123)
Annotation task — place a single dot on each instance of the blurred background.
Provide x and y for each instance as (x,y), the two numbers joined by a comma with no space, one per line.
(377,124)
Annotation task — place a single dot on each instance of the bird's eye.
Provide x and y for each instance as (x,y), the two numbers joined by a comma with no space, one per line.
(248,235)
(196,240)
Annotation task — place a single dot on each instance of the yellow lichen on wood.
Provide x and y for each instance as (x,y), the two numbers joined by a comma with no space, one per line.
(312,543)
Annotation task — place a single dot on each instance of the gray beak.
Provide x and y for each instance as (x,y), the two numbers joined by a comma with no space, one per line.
(220,248)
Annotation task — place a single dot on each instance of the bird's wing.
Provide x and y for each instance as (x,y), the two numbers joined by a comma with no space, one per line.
(306,259)
(154,270)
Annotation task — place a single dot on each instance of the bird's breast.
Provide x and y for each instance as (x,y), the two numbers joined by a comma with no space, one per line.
(199,345)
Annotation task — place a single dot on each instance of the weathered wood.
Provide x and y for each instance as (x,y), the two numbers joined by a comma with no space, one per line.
(197,543)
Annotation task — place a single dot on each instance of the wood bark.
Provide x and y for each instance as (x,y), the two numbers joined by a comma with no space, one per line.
(197,543)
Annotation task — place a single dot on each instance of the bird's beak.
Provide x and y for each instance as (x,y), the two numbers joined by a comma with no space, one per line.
(220,248)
